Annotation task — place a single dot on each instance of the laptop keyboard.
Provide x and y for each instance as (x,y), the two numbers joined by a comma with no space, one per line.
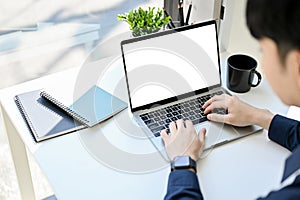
(188,110)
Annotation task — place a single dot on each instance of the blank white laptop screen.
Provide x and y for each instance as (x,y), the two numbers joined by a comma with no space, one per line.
(170,65)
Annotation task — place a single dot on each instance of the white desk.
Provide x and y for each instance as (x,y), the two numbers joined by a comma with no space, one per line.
(99,163)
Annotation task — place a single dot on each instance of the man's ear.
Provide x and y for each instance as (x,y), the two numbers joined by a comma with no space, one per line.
(297,64)
(293,61)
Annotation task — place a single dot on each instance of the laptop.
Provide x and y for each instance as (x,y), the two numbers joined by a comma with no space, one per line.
(170,75)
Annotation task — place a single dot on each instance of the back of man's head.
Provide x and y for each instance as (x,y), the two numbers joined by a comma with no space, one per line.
(277,20)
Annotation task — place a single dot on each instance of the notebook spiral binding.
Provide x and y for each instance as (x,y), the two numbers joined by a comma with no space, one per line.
(65,108)
(26,117)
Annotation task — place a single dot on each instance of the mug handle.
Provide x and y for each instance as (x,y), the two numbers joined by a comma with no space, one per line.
(258,78)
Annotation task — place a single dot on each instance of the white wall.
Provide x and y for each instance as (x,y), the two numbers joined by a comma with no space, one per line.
(202,10)
(234,34)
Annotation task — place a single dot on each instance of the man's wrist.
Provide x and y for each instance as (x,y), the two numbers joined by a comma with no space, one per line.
(184,163)
(263,118)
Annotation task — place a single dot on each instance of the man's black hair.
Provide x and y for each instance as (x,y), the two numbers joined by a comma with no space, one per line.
(278,20)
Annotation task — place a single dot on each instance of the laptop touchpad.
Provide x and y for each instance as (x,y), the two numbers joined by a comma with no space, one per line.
(218,133)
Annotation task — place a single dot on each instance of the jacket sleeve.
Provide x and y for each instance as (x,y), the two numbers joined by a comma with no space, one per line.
(290,185)
(289,192)
(285,132)
(183,185)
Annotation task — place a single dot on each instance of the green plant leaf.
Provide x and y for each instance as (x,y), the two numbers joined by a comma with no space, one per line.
(143,21)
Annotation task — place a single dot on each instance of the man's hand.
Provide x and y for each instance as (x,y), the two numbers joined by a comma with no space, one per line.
(239,112)
(183,140)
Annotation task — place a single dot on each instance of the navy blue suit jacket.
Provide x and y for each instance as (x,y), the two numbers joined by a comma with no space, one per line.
(183,184)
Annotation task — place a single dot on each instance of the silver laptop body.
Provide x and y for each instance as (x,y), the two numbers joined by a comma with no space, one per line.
(169,75)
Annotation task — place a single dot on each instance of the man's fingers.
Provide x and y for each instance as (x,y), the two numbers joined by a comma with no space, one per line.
(173,127)
(189,123)
(214,105)
(202,134)
(208,102)
(215,98)
(217,117)
(180,123)
(164,135)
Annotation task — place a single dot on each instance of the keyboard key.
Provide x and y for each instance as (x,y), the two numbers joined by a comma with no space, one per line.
(161,123)
(198,106)
(169,110)
(197,111)
(156,114)
(186,110)
(144,117)
(148,121)
(157,129)
(201,103)
(167,121)
(191,113)
(186,105)
(192,103)
(185,115)
(169,115)
(192,118)
(201,110)
(152,126)
(175,113)
(174,119)
(192,107)
(177,107)
(174,108)
(197,121)
(156,119)
(163,112)
(163,117)
(200,115)
(157,134)
(150,116)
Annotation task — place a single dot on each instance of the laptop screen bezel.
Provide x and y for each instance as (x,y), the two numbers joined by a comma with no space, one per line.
(158,34)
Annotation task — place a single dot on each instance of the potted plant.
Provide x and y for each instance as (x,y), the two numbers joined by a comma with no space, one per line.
(144,21)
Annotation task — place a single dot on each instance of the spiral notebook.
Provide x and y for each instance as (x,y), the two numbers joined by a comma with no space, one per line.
(44,119)
(93,107)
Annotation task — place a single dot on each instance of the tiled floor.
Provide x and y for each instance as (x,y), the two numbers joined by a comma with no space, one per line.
(103,12)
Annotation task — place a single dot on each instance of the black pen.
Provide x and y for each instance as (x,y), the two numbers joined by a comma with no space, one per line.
(188,14)
(171,22)
(180,8)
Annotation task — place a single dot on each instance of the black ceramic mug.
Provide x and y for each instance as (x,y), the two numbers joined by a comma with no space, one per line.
(241,70)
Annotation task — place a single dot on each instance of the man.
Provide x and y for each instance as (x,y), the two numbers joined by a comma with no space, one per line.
(276,26)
